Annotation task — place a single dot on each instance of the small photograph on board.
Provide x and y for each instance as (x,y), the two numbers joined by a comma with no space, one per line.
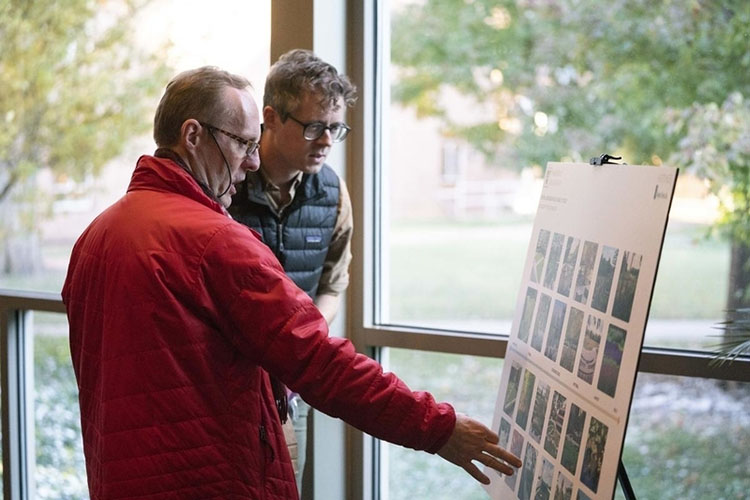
(585,272)
(582,496)
(524,400)
(604,278)
(572,337)
(568,266)
(626,284)
(555,330)
(503,433)
(540,323)
(594,454)
(590,350)
(516,447)
(553,261)
(544,481)
(573,434)
(613,348)
(511,392)
(527,473)
(540,253)
(555,424)
(563,487)
(540,410)
(528,313)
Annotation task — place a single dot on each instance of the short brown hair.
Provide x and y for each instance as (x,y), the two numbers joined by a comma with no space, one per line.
(198,94)
(300,71)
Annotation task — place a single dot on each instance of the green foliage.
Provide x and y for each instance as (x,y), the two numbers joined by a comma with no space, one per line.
(715,143)
(606,78)
(75,87)
(736,339)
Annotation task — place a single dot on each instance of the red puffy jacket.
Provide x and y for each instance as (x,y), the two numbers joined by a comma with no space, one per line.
(177,315)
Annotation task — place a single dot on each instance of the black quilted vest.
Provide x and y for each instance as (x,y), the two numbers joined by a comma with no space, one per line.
(301,236)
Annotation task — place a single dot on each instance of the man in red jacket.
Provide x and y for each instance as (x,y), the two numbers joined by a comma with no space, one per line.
(178,315)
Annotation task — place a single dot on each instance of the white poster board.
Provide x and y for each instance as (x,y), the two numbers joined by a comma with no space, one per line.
(581,314)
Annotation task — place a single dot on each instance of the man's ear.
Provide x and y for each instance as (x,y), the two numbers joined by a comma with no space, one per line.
(190,134)
(271,118)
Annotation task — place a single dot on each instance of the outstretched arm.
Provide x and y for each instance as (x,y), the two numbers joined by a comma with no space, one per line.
(471,441)
(328,305)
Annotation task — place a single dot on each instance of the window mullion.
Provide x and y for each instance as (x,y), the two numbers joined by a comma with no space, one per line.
(17,399)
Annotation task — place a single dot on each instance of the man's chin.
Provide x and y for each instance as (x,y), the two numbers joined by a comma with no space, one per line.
(313,169)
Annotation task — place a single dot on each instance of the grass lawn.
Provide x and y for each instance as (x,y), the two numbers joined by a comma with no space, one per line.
(454,271)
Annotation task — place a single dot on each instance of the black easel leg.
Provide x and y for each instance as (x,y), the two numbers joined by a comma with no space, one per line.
(622,476)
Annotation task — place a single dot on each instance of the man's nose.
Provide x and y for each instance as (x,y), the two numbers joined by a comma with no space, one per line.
(325,138)
(252,162)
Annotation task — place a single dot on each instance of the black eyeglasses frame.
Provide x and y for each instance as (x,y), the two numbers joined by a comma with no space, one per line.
(312,131)
(251,146)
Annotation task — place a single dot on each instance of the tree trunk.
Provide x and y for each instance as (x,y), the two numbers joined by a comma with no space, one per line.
(22,254)
(739,277)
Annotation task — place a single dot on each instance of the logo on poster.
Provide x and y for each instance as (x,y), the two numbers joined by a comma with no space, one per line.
(660,195)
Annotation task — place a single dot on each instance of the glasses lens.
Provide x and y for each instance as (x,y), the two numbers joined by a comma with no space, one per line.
(338,132)
(314,130)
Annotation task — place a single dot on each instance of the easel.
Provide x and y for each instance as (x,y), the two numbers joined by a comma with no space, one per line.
(622,477)
(622,474)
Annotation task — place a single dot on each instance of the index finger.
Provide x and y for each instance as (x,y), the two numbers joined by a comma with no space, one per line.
(503,454)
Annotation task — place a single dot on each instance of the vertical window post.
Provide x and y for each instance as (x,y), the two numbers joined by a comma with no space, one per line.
(17,411)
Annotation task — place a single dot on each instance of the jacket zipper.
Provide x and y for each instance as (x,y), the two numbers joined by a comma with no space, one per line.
(264,440)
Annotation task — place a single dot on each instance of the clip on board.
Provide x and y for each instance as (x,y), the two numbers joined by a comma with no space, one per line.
(605,159)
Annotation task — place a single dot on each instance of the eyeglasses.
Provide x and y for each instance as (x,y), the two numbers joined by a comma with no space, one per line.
(313,130)
(251,146)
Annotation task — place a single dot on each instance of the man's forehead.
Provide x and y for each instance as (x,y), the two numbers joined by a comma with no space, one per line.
(249,114)
(318,101)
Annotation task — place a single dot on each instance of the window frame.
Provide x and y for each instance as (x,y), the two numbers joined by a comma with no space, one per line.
(365,36)
(368,27)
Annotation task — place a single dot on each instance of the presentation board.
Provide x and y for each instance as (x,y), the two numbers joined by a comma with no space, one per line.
(578,328)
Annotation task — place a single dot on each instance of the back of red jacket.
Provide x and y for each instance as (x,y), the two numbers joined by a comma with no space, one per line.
(177,315)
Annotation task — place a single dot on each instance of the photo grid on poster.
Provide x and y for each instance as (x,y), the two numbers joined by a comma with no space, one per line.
(571,359)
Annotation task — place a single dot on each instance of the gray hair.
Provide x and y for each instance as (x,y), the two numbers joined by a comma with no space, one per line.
(197,94)
(299,71)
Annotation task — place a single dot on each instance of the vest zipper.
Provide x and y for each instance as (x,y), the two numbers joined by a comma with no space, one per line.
(280,239)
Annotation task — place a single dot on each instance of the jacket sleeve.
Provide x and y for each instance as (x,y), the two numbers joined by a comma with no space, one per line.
(276,325)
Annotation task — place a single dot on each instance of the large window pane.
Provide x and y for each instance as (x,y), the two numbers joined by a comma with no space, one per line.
(73,131)
(687,438)
(470,384)
(484,93)
(60,469)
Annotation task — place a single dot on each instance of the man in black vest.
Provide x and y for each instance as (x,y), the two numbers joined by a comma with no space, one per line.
(296,202)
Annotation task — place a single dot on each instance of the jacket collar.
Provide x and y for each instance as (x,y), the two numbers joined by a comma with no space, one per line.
(167,173)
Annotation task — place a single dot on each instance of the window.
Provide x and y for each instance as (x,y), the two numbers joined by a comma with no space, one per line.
(687,437)
(81,81)
(82,156)
(469,102)
(489,92)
